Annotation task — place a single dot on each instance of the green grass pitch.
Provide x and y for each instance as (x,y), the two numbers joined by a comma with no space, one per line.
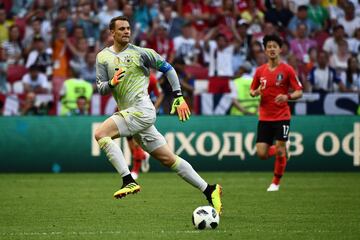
(80,206)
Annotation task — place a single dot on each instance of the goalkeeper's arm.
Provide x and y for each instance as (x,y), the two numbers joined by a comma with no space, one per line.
(179,105)
(102,79)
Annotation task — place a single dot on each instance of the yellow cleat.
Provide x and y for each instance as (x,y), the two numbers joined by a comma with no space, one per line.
(130,188)
(215,200)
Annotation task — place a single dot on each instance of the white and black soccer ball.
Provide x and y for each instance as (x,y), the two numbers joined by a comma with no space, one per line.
(205,217)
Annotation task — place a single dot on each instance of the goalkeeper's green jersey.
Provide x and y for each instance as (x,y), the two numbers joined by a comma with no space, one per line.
(136,62)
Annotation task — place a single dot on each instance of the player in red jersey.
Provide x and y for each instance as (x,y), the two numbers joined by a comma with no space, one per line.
(272,81)
(139,156)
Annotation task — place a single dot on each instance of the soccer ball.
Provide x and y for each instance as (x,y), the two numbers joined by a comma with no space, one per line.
(205,217)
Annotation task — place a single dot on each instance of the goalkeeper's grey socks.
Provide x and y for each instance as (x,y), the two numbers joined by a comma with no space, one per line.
(185,170)
(115,155)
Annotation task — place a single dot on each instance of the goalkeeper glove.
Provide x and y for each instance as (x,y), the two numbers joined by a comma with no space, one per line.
(179,105)
(119,74)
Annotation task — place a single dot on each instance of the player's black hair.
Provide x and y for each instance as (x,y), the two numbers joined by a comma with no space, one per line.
(220,35)
(82,97)
(34,67)
(302,8)
(274,38)
(337,27)
(113,20)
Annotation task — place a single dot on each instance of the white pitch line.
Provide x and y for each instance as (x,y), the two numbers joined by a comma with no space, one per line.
(98,233)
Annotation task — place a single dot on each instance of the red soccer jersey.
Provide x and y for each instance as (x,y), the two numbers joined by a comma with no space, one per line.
(277,81)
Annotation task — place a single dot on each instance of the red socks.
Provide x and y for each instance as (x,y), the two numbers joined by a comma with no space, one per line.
(279,169)
(271,151)
(136,166)
(138,155)
(279,165)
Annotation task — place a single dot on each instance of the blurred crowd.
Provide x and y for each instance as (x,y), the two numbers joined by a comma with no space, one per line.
(45,43)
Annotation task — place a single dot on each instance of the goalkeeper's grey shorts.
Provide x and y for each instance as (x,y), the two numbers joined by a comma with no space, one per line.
(139,123)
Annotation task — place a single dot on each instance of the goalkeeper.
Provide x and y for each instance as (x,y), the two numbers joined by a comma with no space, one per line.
(123,69)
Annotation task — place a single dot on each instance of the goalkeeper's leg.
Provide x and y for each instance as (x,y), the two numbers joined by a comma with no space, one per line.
(154,143)
(104,135)
(186,172)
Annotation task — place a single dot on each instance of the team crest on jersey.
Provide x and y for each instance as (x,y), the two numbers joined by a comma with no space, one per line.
(279,79)
(127,60)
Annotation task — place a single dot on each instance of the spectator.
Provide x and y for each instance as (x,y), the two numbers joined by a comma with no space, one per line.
(173,22)
(28,106)
(312,52)
(44,13)
(351,77)
(72,89)
(339,59)
(20,8)
(331,43)
(3,71)
(41,56)
(61,58)
(220,53)
(255,48)
(109,11)
(159,40)
(35,81)
(336,11)
(318,14)
(4,26)
(33,31)
(350,21)
(186,45)
(323,78)
(31,107)
(254,17)
(77,34)
(224,17)
(146,14)
(13,46)
(197,12)
(260,59)
(295,4)
(299,68)
(82,107)
(242,102)
(354,42)
(106,40)
(301,17)
(88,72)
(267,29)
(285,51)
(279,15)
(244,39)
(78,52)
(242,5)
(301,43)
(90,25)
(64,19)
